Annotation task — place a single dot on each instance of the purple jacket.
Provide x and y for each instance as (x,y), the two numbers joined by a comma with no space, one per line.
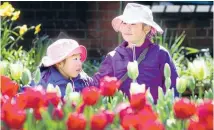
(53,76)
(151,69)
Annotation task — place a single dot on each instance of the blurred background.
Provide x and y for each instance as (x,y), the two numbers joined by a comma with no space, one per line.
(90,22)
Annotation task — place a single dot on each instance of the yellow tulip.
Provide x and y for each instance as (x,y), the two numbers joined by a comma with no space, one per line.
(6,9)
(23,29)
(15,15)
(37,29)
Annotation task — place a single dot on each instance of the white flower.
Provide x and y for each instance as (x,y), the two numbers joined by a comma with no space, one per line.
(50,88)
(73,97)
(16,71)
(137,88)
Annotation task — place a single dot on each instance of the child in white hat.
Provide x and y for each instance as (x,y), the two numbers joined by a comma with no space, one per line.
(63,65)
(136,25)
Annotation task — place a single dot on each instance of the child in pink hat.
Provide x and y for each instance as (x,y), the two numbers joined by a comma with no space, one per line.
(63,65)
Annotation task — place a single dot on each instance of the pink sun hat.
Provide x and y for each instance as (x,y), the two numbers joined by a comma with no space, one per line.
(61,49)
(135,13)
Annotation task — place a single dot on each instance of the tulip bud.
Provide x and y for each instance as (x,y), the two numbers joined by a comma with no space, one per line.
(191,82)
(16,71)
(37,76)
(198,68)
(26,77)
(181,84)
(168,83)
(160,93)
(132,68)
(3,67)
(58,91)
(167,71)
(137,88)
(73,97)
(149,96)
(170,122)
(68,89)
(50,88)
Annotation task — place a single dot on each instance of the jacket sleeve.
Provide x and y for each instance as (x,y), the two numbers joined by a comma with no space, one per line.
(167,59)
(105,69)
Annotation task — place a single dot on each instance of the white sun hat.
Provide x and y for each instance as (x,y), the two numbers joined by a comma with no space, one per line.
(135,13)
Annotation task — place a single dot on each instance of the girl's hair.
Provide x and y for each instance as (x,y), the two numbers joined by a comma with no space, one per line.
(42,67)
(151,33)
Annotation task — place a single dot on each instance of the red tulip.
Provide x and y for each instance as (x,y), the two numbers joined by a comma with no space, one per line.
(205,114)
(195,126)
(152,125)
(146,115)
(8,87)
(138,101)
(31,98)
(109,85)
(37,112)
(123,108)
(130,121)
(14,117)
(99,121)
(76,122)
(184,109)
(81,108)
(90,95)
(57,114)
(110,116)
(51,98)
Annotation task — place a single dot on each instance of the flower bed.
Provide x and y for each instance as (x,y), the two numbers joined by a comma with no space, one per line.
(101,108)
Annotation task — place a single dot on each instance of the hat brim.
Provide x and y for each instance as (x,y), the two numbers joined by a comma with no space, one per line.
(47,61)
(117,22)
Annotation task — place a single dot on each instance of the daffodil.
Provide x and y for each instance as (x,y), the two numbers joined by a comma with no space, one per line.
(23,29)
(15,15)
(37,29)
(6,9)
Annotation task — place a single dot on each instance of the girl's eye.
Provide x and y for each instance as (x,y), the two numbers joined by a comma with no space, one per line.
(124,23)
(133,24)
(76,58)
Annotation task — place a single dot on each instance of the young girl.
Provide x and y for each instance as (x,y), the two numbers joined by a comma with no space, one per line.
(63,65)
(136,26)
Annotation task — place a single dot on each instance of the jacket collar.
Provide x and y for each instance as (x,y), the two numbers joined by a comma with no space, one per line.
(122,48)
(57,76)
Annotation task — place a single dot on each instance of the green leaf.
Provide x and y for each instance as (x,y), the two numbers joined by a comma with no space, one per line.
(191,50)
(177,43)
(160,93)
(30,121)
(37,75)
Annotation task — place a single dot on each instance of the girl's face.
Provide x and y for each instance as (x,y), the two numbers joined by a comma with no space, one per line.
(134,33)
(71,66)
